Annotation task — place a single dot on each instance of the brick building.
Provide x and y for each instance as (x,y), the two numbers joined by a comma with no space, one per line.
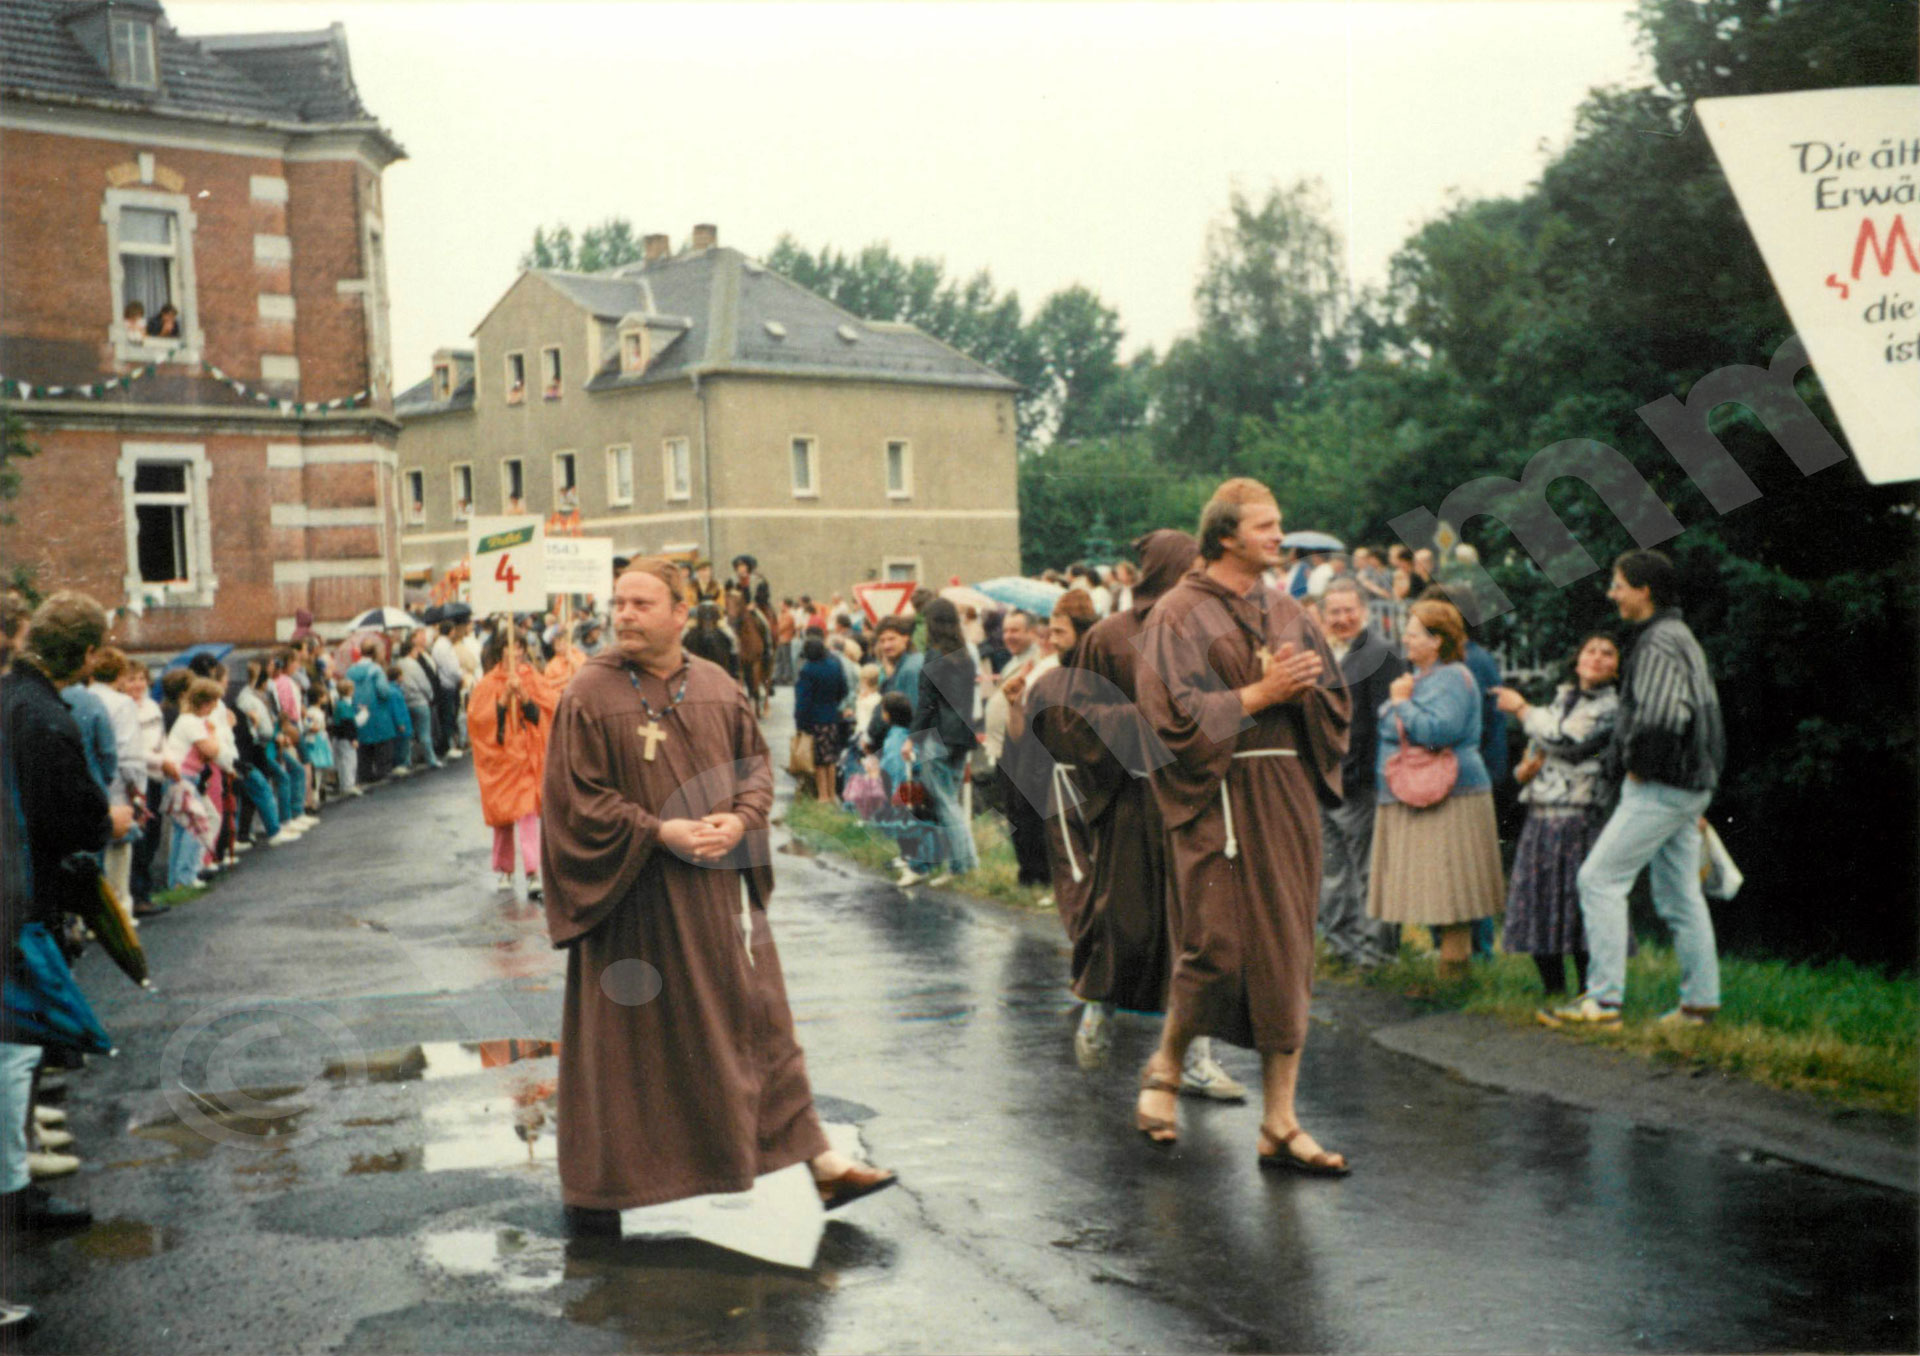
(698,403)
(215,480)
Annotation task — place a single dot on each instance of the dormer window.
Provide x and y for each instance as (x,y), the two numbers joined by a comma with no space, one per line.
(443,381)
(633,349)
(133,59)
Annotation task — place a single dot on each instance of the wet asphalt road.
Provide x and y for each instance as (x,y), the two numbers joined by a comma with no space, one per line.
(364,1162)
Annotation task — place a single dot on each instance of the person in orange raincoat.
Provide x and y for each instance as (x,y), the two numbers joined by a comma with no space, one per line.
(508,718)
(566,661)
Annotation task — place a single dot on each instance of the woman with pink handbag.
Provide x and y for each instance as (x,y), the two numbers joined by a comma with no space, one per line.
(1436,850)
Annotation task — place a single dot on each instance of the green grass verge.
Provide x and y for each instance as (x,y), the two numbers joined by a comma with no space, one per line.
(168,898)
(828,828)
(1844,1032)
(1838,1030)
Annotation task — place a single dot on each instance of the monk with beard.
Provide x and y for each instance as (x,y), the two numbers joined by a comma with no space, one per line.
(679,1071)
(1236,681)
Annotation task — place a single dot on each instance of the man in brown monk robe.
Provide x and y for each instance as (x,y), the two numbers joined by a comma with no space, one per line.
(1236,681)
(679,1072)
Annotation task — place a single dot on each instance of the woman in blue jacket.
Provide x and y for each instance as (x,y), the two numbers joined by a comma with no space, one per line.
(1438,866)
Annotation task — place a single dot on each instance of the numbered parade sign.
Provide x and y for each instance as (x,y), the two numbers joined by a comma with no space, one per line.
(509,565)
(580,565)
(1827,180)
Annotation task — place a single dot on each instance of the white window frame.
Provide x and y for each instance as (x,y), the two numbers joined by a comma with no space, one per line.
(911,562)
(811,490)
(415,507)
(906,467)
(152,348)
(616,453)
(506,485)
(516,392)
(460,515)
(631,361)
(201,584)
(559,505)
(675,488)
(551,370)
(139,66)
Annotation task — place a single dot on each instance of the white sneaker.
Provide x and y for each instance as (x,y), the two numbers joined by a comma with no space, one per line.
(1093,1040)
(908,876)
(356,790)
(48,1115)
(305,822)
(940,879)
(282,838)
(244,847)
(897,864)
(534,889)
(503,880)
(48,1139)
(1202,1076)
(42,1166)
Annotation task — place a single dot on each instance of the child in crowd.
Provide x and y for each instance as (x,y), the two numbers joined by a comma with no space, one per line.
(315,748)
(343,729)
(402,743)
(194,745)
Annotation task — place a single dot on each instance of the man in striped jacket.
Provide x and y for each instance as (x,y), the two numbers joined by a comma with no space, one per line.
(1670,745)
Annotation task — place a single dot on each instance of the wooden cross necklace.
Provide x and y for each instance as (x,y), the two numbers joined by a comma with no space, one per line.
(652,731)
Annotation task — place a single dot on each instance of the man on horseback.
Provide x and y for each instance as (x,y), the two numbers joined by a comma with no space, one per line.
(709,637)
(749,612)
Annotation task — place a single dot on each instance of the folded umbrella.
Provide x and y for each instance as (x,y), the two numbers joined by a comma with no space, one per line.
(112,925)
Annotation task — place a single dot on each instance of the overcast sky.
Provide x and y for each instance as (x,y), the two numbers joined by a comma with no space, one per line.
(1052,144)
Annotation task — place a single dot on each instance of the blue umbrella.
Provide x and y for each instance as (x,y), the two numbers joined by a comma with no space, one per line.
(187,656)
(1312,541)
(42,1004)
(1029,595)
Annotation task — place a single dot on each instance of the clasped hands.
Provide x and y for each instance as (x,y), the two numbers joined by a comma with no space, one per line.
(703,840)
(1290,671)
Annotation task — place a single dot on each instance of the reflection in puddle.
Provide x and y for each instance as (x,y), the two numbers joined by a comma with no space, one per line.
(516,1261)
(253,1118)
(400,1160)
(124,1240)
(439,1059)
(685,1295)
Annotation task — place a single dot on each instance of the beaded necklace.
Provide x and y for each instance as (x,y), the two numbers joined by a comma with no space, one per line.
(652,731)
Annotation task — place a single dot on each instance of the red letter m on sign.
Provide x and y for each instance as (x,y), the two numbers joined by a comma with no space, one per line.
(1869,238)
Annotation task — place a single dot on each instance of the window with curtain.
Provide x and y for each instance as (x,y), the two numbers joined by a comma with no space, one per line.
(162,505)
(149,257)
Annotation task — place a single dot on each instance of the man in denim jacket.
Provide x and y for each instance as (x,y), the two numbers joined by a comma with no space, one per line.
(1670,744)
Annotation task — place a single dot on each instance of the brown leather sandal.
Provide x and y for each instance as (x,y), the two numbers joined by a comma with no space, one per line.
(1161,1133)
(1322,1164)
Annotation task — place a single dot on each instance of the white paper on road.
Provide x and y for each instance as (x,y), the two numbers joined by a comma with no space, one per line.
(1827,180)
(779,1221)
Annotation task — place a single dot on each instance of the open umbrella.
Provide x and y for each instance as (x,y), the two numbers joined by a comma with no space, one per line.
(217,650)
(1029,595)
(457,613)
(1312,541)
(383,618)
(962,596)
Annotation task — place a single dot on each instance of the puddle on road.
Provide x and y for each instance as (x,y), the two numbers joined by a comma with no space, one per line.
(514,1260)
(124,1240)
(253,1118)
(433,1060)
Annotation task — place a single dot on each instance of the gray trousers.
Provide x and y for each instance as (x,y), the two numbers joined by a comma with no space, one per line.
(1346,838)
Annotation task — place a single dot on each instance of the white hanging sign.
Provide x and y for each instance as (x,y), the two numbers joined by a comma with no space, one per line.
(1827,180)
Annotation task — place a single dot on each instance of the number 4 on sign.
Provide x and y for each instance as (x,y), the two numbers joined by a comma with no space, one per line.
(505,572)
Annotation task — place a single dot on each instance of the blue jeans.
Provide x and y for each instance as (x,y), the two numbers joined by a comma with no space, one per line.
(184,857)
(422,734)
(287,782)
(1654,825)
(17,1063)
(943,779)
(262,798)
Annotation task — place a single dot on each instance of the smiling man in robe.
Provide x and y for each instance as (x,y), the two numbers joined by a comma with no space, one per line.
(679,1071)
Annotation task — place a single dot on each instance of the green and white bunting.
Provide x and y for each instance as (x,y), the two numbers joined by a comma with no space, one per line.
(28,390)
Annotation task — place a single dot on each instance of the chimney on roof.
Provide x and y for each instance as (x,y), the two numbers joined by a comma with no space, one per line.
(655,247)
(705,236)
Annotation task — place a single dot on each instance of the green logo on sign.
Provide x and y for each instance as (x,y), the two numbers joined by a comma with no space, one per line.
(500,541)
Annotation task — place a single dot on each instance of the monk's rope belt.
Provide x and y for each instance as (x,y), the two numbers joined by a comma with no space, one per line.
(1226,801)
(1062,788)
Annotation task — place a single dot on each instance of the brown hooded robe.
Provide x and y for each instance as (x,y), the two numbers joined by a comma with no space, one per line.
(1246,879)
(1117,915)
(701,1087)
